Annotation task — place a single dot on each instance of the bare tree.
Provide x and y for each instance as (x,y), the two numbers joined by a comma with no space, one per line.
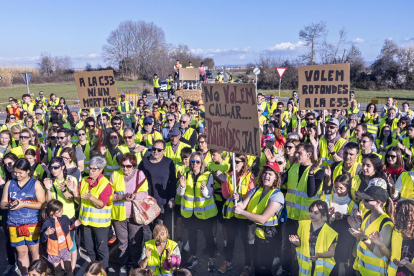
(46,63)
(209,62)
(311,34)
(332,53)
(62,64)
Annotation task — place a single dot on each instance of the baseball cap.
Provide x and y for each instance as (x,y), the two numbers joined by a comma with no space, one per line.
(147,108)
(333,121)
(39,111)
(260,108)
(174,132)
(147,120)
(272,165)
(270,137)
(374,193)
(122,94)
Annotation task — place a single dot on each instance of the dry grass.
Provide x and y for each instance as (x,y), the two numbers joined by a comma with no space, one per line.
(10,72)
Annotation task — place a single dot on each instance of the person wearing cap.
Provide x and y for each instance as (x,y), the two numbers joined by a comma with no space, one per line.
(40,123)
(303,183)
(331,145)
(263,205)
(336,113)
(146,112)
(125,108)
(157,86)
(189,135)
(175,145)
(374,234)
(219,78)
(147,135)
(170,86)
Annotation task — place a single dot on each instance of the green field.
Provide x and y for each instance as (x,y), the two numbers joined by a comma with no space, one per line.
(66,90)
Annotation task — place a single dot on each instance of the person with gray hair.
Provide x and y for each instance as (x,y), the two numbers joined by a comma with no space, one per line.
(171,122)
(293,135)
(188,134)
(94,195)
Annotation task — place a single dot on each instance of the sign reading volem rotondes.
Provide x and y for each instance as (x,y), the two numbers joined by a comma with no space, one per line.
(96,89)
(231,117)
(324,86)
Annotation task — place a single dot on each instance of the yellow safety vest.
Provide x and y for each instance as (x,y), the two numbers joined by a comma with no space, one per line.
(156,83)
(406,142)
(118,207)
(43,100)
(39,171)
(407,185)
(271,108)
(396,246)
(327,159)
(366,262)
(339,169)
(194,202)
(176,157)
(257,206)
(382,153)
(18,151)
(224,167)
(188,133)
(155,263)
(297,200)
(393,125)
(359,158)
(369,121)
(151,138)
(68,206)
(54,103)
(323,266)
(228,208)
(89,214)
(28,107)
(111,162)
(127,108)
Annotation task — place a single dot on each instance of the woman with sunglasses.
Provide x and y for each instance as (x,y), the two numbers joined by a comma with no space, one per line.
(385,140)
(5,142)
(235,222)
(394,166)
(10,121)
(198,207)
(49,146)
(129,184)
(262,205)
(24,138)
(401,131)
(92,132)
(7,174)
(87,148)
(40,105)
(113,151)
(57,188)
(24,197)
(290,148)
(69,157)
(15,131)
(161,254)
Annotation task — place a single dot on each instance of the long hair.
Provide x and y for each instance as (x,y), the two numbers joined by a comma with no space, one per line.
(381,137)
(346,181)
(400,160)
(404,219)
(245,167)
(203,163)
(40,266)
(369,105)
(62,165)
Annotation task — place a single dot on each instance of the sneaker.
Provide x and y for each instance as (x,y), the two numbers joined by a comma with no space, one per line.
(9,269)
(187,247)
(191,262)
(211,266)
(247,270)
(279,271)
(123,270)
(226,266)
(112,240)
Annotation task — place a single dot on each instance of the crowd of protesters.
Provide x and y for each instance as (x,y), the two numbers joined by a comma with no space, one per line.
(331,192)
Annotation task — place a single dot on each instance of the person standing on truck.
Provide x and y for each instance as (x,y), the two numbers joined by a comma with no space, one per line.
(177,67)
(202,74)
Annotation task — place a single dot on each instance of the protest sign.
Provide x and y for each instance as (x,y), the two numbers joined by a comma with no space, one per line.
(231,117)
(189,74)
(324,86)
(96,89)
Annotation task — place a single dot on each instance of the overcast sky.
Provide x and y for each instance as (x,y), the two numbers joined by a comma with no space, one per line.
(232,32)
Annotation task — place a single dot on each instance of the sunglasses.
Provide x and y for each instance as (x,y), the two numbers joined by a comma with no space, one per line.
(61,138)
(81,134)
(170,120)
(128,137)
(331,127)
(9,164)
(116,124)
(392,156)
(113,137)
(24,137)
(83,115)
(12,118)
(59,109)
(53,137)
(279,162)
(183,122)
(238,161)
(289,147)
(91,125)
(195,161)
(157,149)
(147,124)
(113,110)
(309,119)
(93,169)
(54,167)
(127,166)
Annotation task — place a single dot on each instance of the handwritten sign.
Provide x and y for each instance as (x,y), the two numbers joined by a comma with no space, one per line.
(189,74)
(96,89)
(232,122)
(324,86)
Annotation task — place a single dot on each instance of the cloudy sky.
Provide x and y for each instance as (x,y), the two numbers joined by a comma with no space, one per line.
(232,32)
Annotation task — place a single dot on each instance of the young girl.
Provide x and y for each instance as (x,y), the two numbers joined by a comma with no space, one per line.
(315,242)
(36,169)
(39,268)
(55,231)
(341,206)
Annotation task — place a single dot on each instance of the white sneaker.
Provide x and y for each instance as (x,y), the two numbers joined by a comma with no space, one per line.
(187,247)
(9,269)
